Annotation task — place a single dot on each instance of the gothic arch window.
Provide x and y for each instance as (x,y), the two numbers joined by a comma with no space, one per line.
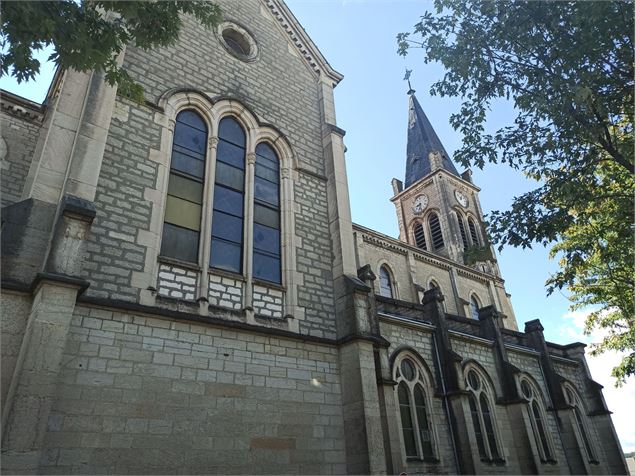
(413,396)
(459,218)
(473,232)
(385,282)
(480,399)
(474,307)
(226,250)
(266,257)
(537,419)
(420,236)
(435,231)
(183,208)
(573,398)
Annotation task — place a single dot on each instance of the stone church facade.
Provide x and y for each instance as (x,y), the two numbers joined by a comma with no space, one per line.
(184,292)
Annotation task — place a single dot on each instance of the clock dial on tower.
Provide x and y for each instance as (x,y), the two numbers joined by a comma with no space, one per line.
(420,203)
(461,198)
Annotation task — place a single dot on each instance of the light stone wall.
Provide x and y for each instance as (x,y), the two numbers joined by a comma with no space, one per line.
(14,313)
(268,301)
(147,395)
(177,282)
(226,292)
(19,129)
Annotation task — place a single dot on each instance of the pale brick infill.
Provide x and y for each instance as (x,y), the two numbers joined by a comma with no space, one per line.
(268,301)
(225,292)
(177,282)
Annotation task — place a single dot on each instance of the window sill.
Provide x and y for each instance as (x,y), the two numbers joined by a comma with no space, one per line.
(423,460)
(227,274)
(497,461)
(549,461)
(269,284)
(178,262)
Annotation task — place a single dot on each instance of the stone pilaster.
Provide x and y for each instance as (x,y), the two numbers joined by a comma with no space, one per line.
(30,396)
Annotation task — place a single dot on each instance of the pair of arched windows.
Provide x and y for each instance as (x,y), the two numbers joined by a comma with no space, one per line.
(184,233)
(480,399)
(414,407)
(435,233)
(473,238)
(537,419)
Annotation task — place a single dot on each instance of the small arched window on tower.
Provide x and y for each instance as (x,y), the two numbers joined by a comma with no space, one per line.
(473,233)
(414,408)
(435,232)
(474,307)
(459,218)
(483,418)
(420,237)
(537,419)
(182,222)
(580,421)
(385,283)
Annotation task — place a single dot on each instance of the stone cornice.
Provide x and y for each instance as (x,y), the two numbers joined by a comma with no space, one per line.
(21,107)
(373,240)
(301,40)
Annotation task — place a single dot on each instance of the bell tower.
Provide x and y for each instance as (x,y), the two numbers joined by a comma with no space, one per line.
(438,209)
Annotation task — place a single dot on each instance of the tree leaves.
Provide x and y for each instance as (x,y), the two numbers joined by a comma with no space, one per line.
(567,67)
(89,35)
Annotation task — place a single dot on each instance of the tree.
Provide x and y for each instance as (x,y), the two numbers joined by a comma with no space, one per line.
(568,69)
(89,35)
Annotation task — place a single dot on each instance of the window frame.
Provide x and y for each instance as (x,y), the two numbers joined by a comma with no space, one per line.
(256,132)
(536,398)
(484,391)
(391,281)
(583,433)
(421,380)
(474,311)
(428,218)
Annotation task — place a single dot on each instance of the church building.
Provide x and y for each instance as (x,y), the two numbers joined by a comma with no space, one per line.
(184,290)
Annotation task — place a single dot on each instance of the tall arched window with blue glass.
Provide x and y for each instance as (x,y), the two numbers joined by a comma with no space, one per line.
(266,254)
(229,196)
(182,225)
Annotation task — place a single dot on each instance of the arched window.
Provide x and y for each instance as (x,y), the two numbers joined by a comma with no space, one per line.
(385,283)
(435,231)
(229,193)
(483,420)
(473,233)
(474,307)
(537,419)
(420,237)
(182,221)
(267,215)
(573,399)
(459,218)
(414,408)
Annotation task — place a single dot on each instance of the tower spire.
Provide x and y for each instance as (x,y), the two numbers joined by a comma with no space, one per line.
(422,141)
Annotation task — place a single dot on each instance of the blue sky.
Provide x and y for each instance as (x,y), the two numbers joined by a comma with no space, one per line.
(358,39)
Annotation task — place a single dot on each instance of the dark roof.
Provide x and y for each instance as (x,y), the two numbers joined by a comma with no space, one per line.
(422,140)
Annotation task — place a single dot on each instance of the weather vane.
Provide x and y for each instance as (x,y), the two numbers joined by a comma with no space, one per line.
(407,78)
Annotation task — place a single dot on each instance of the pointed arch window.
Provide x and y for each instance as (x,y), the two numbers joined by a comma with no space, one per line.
(435,231)
(537,419)
(182,220)
(385,282)
(473,233)
(229,196)
(267,215)
(420,236)
(414,409)
(482,413)
(573,399)
(459,218)
(474,307)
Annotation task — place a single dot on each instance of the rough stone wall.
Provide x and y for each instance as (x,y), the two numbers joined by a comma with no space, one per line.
(14,314)
(140,394)
(421,341)
(17,144)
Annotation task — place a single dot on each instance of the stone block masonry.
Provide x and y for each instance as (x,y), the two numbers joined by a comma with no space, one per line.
(147,395)
(225,292)
(177,282)
(268,301)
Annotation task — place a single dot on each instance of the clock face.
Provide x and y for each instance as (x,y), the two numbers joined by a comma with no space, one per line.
(420,203)
(461,198)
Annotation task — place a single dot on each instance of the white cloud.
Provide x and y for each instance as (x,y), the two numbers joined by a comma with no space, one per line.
(620,401)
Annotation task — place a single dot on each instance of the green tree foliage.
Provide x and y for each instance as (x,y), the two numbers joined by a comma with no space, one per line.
(89,35)
(568,69)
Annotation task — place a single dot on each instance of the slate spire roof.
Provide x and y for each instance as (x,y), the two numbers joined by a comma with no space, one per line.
(421,141)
